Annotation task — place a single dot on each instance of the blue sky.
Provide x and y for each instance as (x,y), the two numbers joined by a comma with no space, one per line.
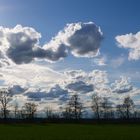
(115,17)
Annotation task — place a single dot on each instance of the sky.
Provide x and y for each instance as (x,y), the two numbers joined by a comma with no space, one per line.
(55,45)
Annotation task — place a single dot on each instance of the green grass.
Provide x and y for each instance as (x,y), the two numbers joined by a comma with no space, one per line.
(69,132)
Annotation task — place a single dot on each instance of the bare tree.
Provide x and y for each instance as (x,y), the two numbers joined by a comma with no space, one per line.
(126,108)
(135,113)
(29,110)
(48,112)
(74,109)
(106,108)
(16,110)
(5,98)
(67,113)
(120,111)
(96,105)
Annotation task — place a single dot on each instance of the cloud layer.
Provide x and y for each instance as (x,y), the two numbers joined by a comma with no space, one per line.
(32,75)
(38,89)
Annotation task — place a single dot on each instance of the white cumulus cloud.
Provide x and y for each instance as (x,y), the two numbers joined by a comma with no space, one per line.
(81,39)
(122,85)
(132,43)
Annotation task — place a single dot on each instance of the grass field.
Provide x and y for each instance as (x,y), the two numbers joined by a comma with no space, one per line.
(69,132)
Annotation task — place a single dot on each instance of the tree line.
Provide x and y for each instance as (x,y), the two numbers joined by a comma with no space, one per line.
(101,107)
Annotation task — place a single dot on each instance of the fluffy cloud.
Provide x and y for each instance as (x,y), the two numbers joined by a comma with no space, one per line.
(58,92)
(87,82)
(95,77)
(55,92)
(75,75)
(35,95)
(17,89)
(55,54)
(86,40)
(98,78)
(82,39)
(132,43)
(122,85)
(21,44)
(80,86)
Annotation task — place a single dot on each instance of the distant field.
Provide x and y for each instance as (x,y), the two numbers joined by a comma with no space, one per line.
(69,132)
